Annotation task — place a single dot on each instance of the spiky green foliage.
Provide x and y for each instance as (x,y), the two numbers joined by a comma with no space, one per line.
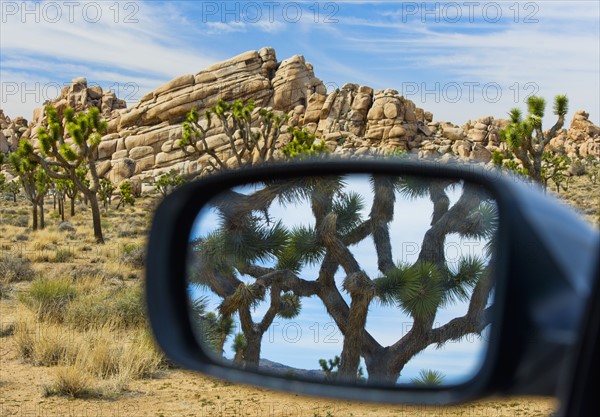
(497,158)
(290,306)
(303,145)
(348,209)
(247,240)
(303,248)
(429,377)
(418,290)
(460,279)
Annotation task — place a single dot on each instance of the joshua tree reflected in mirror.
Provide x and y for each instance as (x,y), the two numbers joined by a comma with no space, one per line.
(381,267)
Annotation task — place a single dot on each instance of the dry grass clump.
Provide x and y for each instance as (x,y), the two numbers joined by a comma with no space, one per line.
(120,308)
(46,238)
(47,345)
(49,298)
(15,269)
(96,363)
(72,382)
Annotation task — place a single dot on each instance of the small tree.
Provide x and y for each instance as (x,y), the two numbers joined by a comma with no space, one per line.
(168,182)
(107,188)
(526,138)
(126,194)
(330,367)
(35,183)
(85,130)
(554,168)
(13,188)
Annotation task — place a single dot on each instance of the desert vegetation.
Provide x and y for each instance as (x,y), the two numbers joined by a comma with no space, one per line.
(72,312)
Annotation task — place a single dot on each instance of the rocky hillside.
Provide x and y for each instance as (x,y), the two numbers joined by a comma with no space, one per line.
(142,141)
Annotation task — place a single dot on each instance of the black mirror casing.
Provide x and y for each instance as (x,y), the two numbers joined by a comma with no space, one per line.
(540,294)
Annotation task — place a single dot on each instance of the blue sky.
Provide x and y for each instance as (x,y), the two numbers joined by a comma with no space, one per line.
(459,60)
(313,335)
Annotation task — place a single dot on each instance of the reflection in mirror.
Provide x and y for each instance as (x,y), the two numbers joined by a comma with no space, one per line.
(355,278)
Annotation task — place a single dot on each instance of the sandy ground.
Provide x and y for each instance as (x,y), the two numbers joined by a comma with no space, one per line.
(177,393)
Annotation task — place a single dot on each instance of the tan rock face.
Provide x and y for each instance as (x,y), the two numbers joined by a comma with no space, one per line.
(293,83)
(143,141)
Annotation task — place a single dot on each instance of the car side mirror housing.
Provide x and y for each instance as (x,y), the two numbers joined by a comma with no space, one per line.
(376,264)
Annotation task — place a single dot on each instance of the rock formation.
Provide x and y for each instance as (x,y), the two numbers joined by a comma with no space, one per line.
(142,141)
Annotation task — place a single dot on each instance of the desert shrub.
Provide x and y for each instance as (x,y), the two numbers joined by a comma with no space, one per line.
(122,308)
(50,298)
(14,269)
(134,256)
(128,230)
(21,238)
(64,255)
(21,221)
(66,227)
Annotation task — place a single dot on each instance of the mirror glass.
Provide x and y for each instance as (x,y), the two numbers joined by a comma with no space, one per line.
(354,278)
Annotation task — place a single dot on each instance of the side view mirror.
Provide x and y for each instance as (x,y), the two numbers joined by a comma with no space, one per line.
(376,281)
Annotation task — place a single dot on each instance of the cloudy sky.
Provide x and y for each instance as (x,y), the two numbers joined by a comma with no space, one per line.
(459,60)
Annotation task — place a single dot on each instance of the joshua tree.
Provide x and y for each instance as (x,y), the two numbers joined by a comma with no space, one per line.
(329,367)
(554,167)
(35,183)
(169,181)
(105,192)
(249,241)
(13,188)
(526,137)
(126,194)
(247,144)
(62,160)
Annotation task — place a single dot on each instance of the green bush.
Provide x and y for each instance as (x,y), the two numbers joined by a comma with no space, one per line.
(123,308)
(50,298)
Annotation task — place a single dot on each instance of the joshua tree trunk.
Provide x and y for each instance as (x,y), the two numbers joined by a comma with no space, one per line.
(34,216)
(42,222)
(91,196)
(351,350)
(252,352)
